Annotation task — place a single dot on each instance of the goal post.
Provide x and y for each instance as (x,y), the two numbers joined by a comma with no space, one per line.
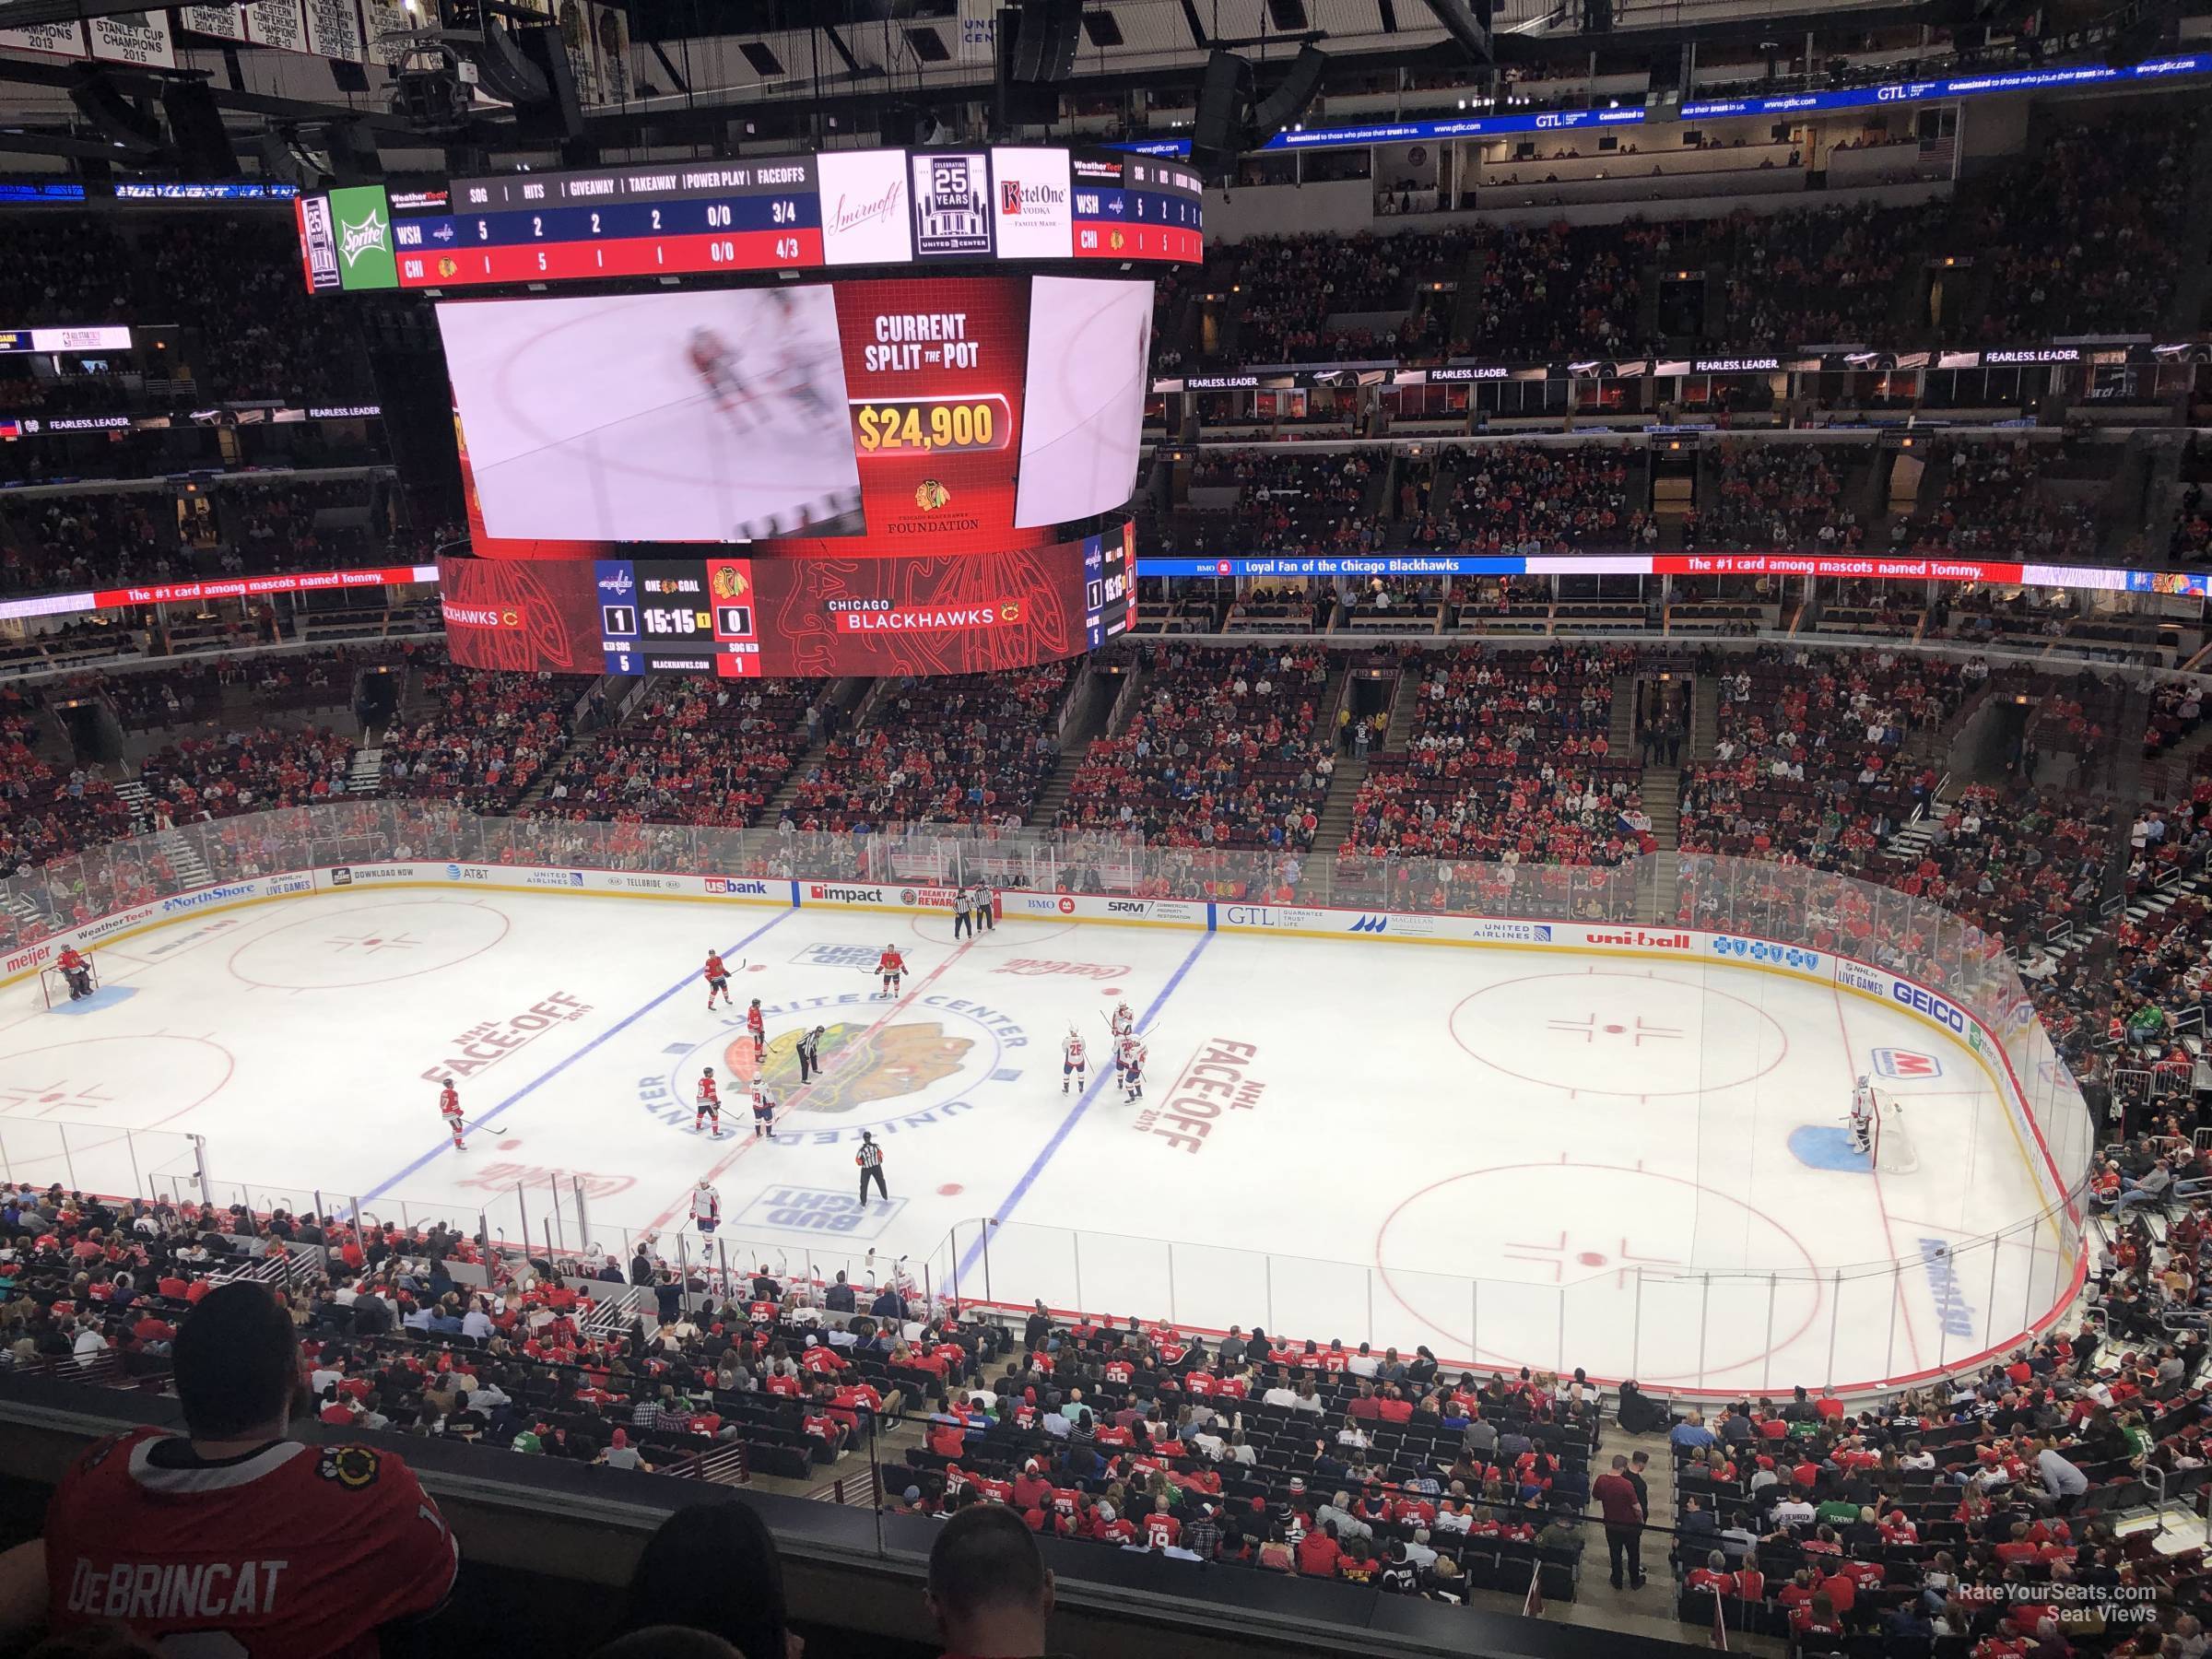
(1891,1149)
(55,983)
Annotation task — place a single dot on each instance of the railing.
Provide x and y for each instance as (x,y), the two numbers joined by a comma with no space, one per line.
(1673,1322)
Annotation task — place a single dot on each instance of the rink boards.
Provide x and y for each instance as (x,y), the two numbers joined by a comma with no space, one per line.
(1930,1007)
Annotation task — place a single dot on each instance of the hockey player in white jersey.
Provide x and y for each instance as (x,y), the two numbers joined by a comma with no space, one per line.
(1073,1063)
(706,1208)
(1129,1060)
(1862,1116)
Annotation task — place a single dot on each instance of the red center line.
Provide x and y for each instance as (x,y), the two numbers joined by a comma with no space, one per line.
(851,1049)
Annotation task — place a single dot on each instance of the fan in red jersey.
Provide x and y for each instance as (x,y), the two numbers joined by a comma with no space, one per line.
(230,1538)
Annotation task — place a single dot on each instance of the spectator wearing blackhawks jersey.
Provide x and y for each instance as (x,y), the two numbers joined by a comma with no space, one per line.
(230,1535)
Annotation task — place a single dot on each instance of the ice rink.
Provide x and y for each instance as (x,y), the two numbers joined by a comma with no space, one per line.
(1518,1156)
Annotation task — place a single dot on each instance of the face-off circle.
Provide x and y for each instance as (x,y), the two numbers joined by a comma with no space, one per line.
(121,1083)
(1633,1035)
(372,945)
(1567,1252)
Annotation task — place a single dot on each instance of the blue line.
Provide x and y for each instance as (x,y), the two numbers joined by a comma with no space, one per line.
(1082,1105)
(627,1020)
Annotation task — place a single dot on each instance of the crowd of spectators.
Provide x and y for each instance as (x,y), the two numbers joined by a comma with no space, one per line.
(1559,288)
(1774,497)
(962,748)
(1819,274)
(1226,749)
(1507,762)
(73,269)
(1288,499)
(235,280)
(478,736)
(1808,763)
(197,778)
(1529,499)
(48,808)
(2083,234)
(1991,507)
(1972,1517)
(1288,288)
(693,751)
(109,538)
(88,540)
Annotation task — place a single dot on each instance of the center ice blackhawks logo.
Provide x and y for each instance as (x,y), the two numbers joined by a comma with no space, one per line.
(896,1060)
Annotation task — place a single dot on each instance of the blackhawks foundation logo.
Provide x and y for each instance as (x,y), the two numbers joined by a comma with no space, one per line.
(930,495)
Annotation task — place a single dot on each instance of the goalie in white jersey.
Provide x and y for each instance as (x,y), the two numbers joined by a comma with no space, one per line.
(706,1208)
(1073,1063)
(1862,1116)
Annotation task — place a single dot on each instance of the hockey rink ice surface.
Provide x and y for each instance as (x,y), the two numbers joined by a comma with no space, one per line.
(1586,1136)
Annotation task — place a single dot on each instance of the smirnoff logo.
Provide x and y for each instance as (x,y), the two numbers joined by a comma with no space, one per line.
(851,216)
(356,239)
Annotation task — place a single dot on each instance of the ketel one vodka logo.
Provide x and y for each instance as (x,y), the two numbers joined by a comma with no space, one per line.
(372,234)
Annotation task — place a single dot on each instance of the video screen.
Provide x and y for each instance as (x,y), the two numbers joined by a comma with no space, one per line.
(710,416)
(1090,344)
(864,419)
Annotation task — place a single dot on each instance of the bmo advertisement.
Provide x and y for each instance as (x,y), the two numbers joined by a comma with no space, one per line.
(892,460)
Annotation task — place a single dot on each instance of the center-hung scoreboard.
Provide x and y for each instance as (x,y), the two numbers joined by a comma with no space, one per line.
(902,436)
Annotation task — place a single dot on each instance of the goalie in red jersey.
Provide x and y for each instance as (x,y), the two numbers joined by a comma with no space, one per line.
(892,966)
(230,1538)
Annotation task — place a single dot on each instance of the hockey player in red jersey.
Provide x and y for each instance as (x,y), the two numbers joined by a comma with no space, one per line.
(892,966)
(708,1106)
(1072,1063)
(715,361)
(449,1104)
(756,1030)
(718,981)
(228,1538)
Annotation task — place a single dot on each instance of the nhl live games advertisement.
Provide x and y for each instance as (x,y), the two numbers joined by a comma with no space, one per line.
(854,419)
(743,618)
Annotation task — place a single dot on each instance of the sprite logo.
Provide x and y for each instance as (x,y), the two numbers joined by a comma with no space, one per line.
(356,239)
(363,217)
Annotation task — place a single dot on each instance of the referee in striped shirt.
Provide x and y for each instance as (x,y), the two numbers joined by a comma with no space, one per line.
(870,1159)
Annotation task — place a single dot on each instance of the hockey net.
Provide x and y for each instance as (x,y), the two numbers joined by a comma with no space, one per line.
(55,983)
(1891,1143)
